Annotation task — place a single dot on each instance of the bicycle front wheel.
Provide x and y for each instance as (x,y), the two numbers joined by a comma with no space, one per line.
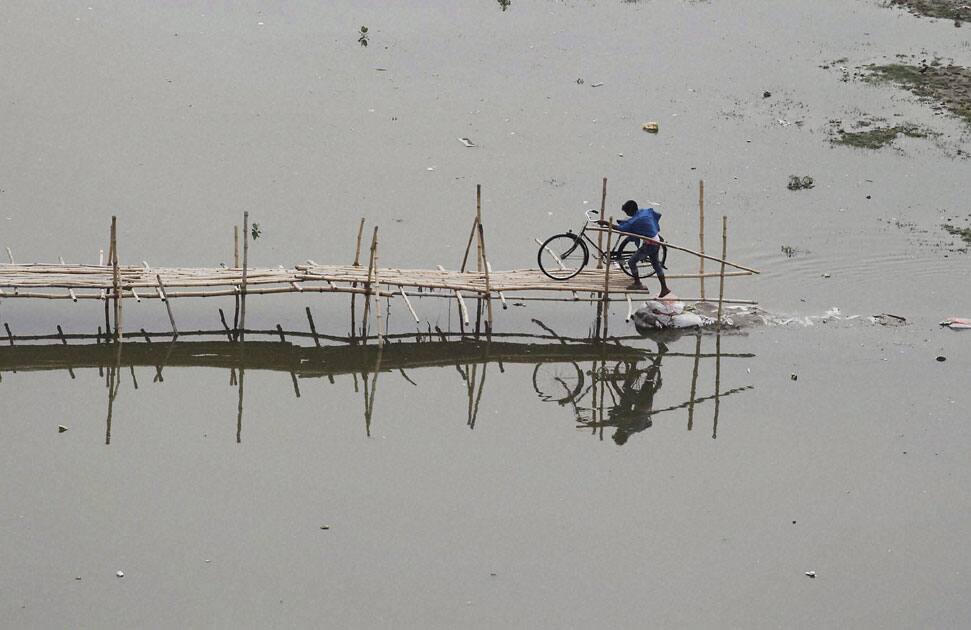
(562,256)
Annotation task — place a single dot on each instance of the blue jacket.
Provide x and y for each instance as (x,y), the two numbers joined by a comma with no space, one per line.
(645,222)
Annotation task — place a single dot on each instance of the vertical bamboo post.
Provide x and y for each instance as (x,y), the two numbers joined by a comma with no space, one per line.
(357,250)
(236,247)
(377,301)
(484,263)
(606,295)
(603,208)
(367,285)
(115,277)
(701,234)
(721,275)
(242,298)
(478,227)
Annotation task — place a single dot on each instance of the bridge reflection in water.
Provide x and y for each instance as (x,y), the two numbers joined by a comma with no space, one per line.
(606,386)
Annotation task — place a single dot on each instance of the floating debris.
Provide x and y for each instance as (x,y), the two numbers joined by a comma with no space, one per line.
(886,319)
(467,142)
(650,127)
(957,323)
(120,574)
(61,428)
(811,574)
(800,183)
(597,85)
(941,358)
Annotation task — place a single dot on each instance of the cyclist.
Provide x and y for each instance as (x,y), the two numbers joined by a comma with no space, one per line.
(643,221)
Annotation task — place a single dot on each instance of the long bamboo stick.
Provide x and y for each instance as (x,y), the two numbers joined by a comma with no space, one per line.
(681,249)
(235,247)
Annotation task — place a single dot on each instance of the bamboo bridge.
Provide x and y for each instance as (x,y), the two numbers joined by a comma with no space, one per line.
(113,283)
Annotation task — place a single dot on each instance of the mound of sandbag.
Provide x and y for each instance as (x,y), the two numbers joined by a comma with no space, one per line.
(668,314)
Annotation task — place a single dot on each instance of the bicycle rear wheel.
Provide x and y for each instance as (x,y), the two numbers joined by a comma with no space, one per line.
(562,256)
(622,254)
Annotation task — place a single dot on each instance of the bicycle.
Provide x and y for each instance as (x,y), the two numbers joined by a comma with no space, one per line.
(563,256)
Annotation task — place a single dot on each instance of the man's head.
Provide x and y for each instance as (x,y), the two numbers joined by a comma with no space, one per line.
(629,207)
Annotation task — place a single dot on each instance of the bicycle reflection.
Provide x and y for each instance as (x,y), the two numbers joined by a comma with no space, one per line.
(621,395)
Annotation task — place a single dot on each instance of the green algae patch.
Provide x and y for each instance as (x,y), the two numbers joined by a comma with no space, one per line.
(957,10)
(963,233)
(878,137)
(949,85)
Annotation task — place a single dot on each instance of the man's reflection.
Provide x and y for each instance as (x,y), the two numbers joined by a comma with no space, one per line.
(633,411)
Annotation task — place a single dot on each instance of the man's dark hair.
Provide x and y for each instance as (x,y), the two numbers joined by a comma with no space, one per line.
(630,207)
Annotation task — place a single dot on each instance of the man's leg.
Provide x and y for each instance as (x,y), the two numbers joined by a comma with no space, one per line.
(642,253)
(655,256)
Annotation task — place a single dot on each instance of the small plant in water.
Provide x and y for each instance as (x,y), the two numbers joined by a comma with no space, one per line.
(362,36)
(504,4)
(790,251)
(799,183)
(255,231)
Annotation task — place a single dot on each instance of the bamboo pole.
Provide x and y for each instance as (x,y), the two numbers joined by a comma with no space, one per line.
(408,304)
(367,284)
(468,246)
(721,281)
(606,295)
(377,300)
(235,247)
(242,298)
(680,249)
(603,208)
(357,249)
(701,234)
(465,311)
(484,266)
(168,305)
(115,276)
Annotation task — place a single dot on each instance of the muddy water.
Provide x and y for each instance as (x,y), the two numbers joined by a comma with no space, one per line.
(178,118)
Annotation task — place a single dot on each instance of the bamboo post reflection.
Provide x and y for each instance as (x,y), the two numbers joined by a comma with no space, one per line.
(369,395)
(718,374)
(113,384)
(694,380)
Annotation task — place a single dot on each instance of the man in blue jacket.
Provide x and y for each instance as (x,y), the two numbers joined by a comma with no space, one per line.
(642,221)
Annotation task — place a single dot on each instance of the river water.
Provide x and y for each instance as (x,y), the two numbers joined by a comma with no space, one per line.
(483,487)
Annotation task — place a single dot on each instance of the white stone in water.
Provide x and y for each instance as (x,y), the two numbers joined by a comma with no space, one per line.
(120,574)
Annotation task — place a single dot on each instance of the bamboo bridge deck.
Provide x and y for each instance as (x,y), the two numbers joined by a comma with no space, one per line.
(86,282)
